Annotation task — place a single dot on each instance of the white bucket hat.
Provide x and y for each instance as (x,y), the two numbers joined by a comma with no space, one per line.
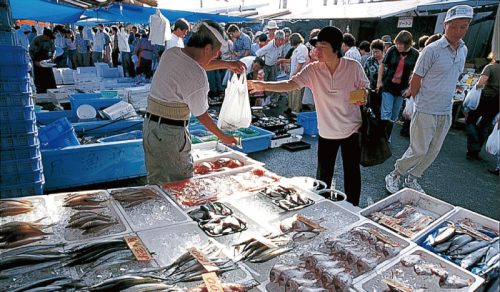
(272,25)
(459,11)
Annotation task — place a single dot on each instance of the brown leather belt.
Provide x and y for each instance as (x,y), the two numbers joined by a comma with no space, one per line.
(162,120)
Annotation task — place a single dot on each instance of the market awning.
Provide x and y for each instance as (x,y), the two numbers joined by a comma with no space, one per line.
(41,10)
(445,5)
(138,14)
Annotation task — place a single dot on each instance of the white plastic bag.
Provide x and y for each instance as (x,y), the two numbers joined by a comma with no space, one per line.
(235,112)
(409,108)
(493,142)
(471,101)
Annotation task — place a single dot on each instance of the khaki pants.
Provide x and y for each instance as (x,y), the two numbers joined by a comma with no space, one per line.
(427,134)
(295,100)
(167,151)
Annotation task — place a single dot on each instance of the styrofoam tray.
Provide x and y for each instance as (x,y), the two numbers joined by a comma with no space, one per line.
(208,149)
(248,163)
(430,283)
(61,215)
(424,203)
(153,213)
(39,210)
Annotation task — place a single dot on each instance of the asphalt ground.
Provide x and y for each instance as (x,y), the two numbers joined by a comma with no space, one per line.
(451,178)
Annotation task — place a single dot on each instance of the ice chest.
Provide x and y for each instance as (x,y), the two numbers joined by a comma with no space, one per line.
(309,121)
(94,99)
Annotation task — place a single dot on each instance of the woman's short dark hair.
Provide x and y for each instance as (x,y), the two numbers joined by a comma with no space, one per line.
(432,39)
(377,44)
(203,36)
(365,46)
(259,61)
(181,24)
(404,37)
(422,40)
(262,37)
(349,40)
(296,39)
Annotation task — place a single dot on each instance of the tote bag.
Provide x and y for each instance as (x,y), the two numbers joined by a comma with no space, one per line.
(235,112)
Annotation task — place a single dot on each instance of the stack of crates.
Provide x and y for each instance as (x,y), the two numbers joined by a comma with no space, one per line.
(21,172)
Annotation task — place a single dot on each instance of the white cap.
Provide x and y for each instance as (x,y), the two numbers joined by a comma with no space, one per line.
(272,25)
(459,11)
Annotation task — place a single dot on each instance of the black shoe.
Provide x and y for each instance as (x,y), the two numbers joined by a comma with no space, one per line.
(473,156)
(495,171)
(288,111)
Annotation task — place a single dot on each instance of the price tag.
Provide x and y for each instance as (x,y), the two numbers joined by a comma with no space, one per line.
(358,95)
(140,251)
(310,222)
(212,282)
(203,260)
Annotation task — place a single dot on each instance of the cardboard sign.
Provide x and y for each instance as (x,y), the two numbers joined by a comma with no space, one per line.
(405,21)
(203,260)
(140,251)
(358,95)
(212,282)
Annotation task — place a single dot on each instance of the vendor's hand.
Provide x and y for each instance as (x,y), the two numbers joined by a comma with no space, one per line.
(237,67)
(255,86)
(228,140)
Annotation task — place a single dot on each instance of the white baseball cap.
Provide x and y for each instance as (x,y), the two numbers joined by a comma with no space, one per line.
(459,11)
(272,25)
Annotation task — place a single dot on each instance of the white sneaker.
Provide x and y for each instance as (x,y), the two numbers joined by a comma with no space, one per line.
(393,182)
(413,184)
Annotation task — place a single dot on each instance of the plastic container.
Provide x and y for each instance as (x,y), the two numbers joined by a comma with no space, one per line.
(109,93)
(16,113)
(20,153)
(94,99)
(15,99)
(309,121)
(119,110)
(17,127)
(87,70)
(333,195)
(104,128)
(86,112)
(18,140)
(45,118)
(58,134)
(15,85)
(11,167)
(10,72)
(111,72)
(133,135)
(21,190)
(22,178)
(12,55)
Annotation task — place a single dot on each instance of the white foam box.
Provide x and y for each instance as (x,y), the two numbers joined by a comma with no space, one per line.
(209,149)
(59,94)
(296,131)
(158,212)
(39,210)
(424,203)
(248,163)
(60,215)
(57,75)
(91,71)
(277,142)
(87,86)
(374,282)
(119,110)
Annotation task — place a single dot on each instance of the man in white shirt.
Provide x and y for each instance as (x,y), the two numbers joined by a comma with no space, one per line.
(181,28)
(124,48)
(349,47)
(98,44)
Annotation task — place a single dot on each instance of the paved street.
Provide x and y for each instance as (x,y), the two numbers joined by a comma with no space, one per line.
(451,177)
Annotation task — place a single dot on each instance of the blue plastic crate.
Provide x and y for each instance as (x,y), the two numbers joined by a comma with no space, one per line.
(15,99)
(13,55)
(17,127)
(95,100)
(93,163)
(15,72)
(21,190)
(45,118)
(10,167)
(15,85)
(309,121)
(132,135)
(16,113)
(104,128)
(57,134)
(22,178)
(20,153)
(18,140)
(7,38)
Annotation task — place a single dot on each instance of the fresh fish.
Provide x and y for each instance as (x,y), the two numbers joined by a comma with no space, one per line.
(264,257)
(294,284)
(410,260)
(122,282)
(40,283)
(470,247)
(277,270)
(396,286)
(423,269)
(473,257)
(459,241)
(454,282)
(444,234)
(443,247)
(150,287)
(492,251)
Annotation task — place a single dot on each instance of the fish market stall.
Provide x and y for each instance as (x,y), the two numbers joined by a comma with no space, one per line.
(246,228)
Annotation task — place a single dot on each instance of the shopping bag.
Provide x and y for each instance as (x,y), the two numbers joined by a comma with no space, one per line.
(374,146)
(235,112)
(409,108)
(492,144)
(471,100)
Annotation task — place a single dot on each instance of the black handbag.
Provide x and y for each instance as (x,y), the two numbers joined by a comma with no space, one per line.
(373,142)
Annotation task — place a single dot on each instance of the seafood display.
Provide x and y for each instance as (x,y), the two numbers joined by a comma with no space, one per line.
(216,219)
(402,218)
(260,249)
(219,164)
(134,282)
(15,234)
(228,287)
(12,207)
(468,245)
(255,179)
(133,196)
(90,222)
(420,270)
(287,198)
(85,201)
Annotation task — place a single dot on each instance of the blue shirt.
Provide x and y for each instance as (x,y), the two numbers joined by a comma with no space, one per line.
(439,66)
(241,44)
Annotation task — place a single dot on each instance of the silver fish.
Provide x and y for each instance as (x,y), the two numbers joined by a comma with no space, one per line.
(444,234)
(473,257)
(459,241)
(470,247)
(410,260)
(443,247)
(454,282)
